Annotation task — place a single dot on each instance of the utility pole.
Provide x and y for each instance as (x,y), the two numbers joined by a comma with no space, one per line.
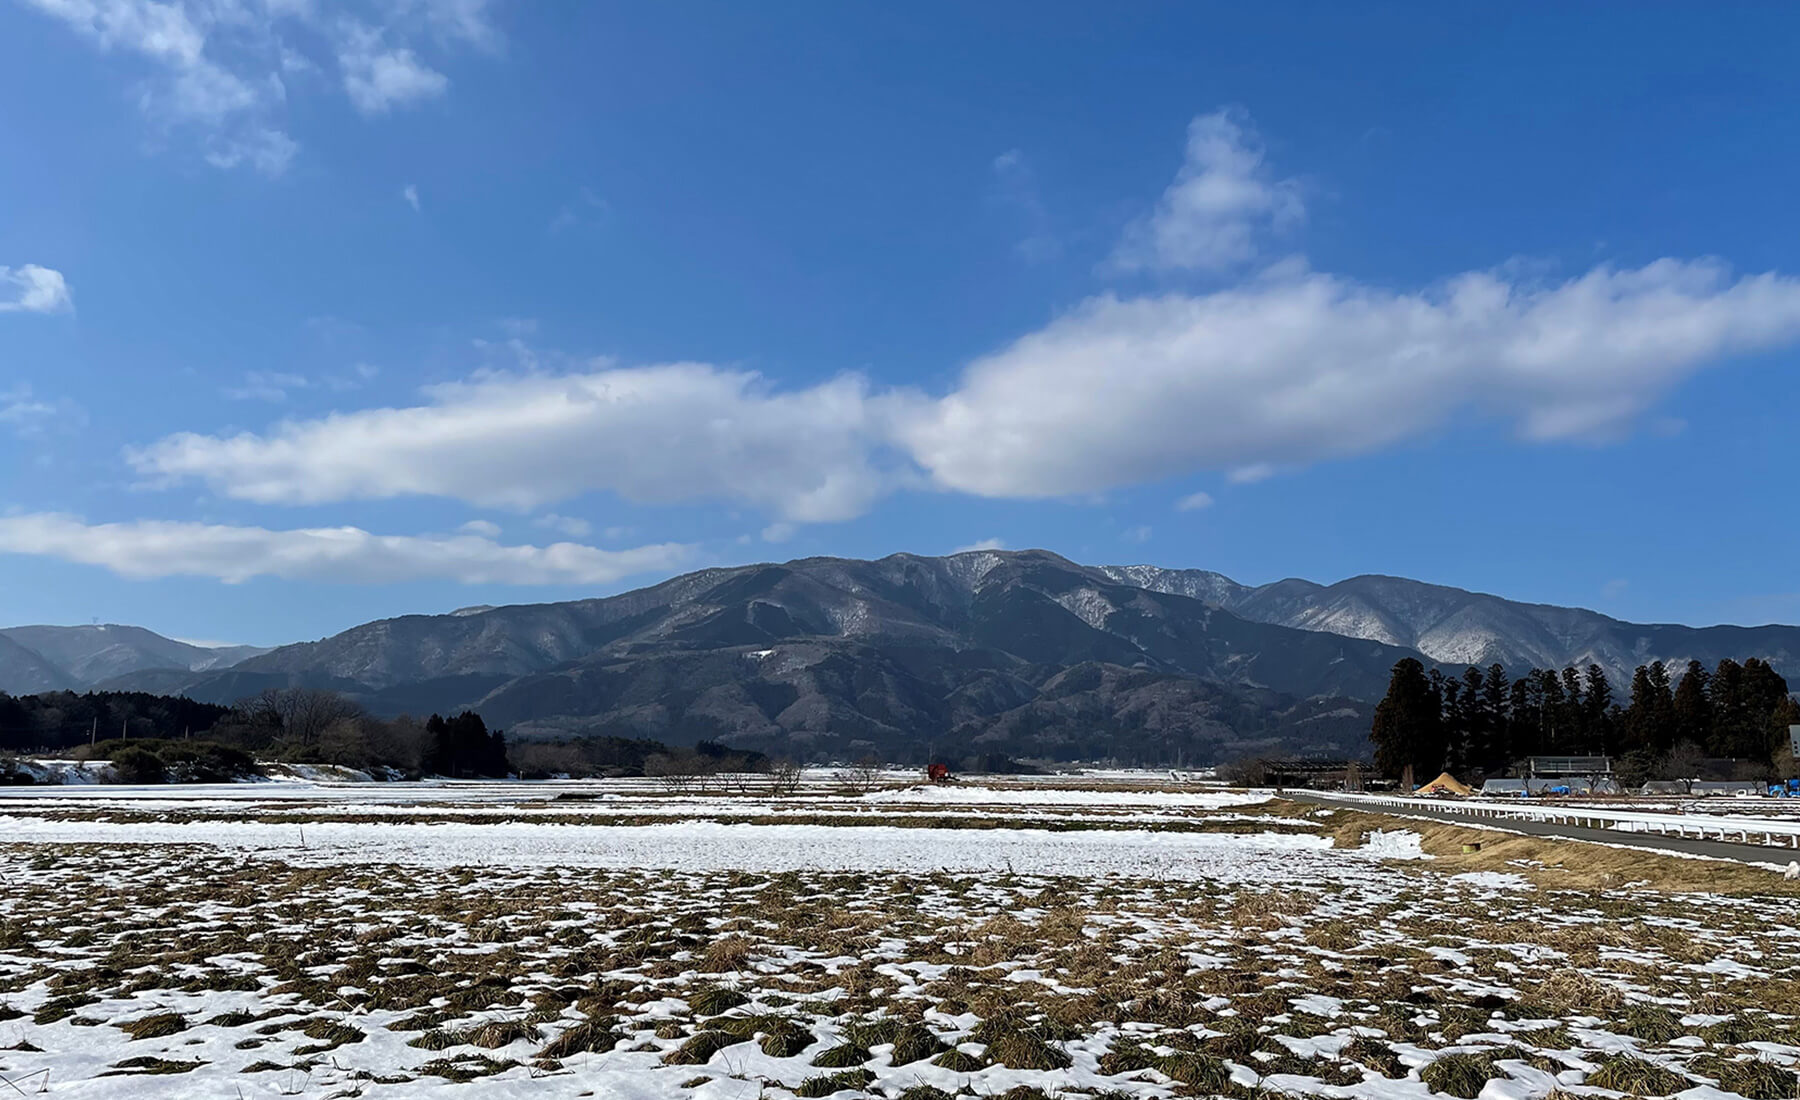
(94,734)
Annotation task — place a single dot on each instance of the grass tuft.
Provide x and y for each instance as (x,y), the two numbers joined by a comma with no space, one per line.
(699,1050)
(1636,1077)
(842,1056)
(155,1027)
(832,1083)
(1461,1075)
(959,1061)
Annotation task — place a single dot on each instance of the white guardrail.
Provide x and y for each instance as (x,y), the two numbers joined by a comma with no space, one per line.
(1741,830)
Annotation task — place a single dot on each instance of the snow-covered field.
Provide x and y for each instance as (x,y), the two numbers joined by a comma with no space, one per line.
(1025,940)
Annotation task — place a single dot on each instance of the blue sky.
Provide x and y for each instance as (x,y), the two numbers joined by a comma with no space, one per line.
(316,312)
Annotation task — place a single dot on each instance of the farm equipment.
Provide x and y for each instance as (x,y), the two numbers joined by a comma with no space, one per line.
(939,773)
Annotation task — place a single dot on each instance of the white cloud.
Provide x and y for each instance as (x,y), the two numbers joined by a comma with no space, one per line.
(1139,534)
(33,289)
(572,526)
(224,68)
(778,532)
(1289,368)
(269,386)
(1279,373)
(981,544)
(483,527)
(143,549)
(662,434)
(263,149)
(22,412)
(411,194)
(1220,207)
(1309,367)
(1194,502)
(378,78)
(1614,588)
(27,415)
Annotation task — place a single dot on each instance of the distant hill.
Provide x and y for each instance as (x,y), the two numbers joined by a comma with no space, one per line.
(46,658)
(1018,652)
(1460,628)
(1021,652)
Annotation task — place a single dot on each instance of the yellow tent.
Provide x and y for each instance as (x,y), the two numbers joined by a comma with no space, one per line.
(1446,784)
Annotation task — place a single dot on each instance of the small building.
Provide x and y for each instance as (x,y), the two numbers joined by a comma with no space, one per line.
(1317,774)
(1725,788)
(1556,767)
(1505,788)
(1664,787)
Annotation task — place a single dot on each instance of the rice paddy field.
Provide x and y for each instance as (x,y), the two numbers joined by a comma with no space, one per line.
(1103,938)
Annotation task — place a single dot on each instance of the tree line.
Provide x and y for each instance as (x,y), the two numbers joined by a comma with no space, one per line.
(188,740)
(1482,722)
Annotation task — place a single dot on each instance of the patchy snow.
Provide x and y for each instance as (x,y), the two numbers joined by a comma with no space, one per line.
(1493,880)
(963,794)
(711,846)
(1398,844)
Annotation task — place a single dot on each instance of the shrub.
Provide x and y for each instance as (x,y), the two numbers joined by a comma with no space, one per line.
(137,765)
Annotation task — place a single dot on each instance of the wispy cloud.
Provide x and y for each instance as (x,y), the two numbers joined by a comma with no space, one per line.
(26,414)
(34,289)
(1015,185)
(411,194)
(143,549)
(1221,206)
(269,386)
(981,544)
(1194,502)
(572,526)
(224,70)
(379,77)
(586,208)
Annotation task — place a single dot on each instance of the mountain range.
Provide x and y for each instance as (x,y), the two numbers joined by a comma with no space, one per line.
(1008,652)
(57,658)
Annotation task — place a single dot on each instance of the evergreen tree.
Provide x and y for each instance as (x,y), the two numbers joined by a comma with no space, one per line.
(435,757)
(1552,709)
(1730,708)
(1574,714)
(1496,704)
(1408,723)
(1598,703)
(1475,725)
(1522,713)
(1454,724)
(1693,705)
(1662,728)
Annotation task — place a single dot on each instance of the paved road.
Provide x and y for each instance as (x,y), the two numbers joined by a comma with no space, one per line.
(1743,853)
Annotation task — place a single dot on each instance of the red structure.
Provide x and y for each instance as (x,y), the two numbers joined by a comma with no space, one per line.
(938,773)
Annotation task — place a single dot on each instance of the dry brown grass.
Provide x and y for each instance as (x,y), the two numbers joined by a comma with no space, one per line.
(1565,864)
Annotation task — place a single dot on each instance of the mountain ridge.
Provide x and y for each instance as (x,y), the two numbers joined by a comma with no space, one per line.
(1023,652)
(85,657)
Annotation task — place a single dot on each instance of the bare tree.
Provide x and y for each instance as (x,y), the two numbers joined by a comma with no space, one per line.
(784,778)
(304,713)
(675,772)
(861,777)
